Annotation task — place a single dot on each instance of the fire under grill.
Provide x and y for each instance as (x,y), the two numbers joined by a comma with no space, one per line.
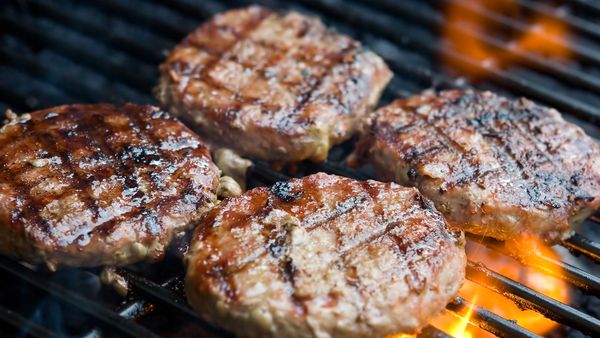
(55,52)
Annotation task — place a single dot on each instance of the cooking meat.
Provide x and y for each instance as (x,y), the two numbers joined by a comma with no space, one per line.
(324,256)
(270,85)
(496,167)
(86,185)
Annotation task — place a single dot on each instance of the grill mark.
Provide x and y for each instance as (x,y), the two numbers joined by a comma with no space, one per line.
(55,144)
(269,46)
(311,222)
(452,145)
(151,141)
(413,158)
(29,211)
(354,281)
(225,271)
(209,66)
(571,190)
(278,248)
(380,230)
(261,251)
(306,95)
(499,139)
(83,184)
(402,246)
(100,132)
(557,169)
(241,100)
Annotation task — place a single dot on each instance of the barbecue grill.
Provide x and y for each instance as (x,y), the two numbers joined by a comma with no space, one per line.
(55,52)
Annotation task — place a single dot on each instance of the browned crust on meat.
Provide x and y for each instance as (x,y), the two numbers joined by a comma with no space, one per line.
(271,86)
(324,256)
(86,185)
(497,167)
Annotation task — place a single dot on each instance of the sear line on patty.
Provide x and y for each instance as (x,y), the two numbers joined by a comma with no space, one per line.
(271,86)
(102,184)
(507,169)
(324,256)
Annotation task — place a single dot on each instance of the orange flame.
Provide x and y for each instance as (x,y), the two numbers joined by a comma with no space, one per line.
(541,282)
(467,22)
(459,330)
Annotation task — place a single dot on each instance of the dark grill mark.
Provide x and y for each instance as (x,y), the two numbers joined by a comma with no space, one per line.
(283,191)
(50,115)
(314,220)
(224,55)
(451,144)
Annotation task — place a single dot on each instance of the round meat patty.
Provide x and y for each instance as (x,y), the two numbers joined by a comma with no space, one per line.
(272,86)
(87,185)
(324,256)
(508,169)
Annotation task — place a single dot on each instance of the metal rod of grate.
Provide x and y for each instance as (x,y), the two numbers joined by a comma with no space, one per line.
(388,27)
(527,298)
(580,25)
(487,320)
(580,51)
(99,312)
(585,281)
(428,17)
(578,244)
(21,323)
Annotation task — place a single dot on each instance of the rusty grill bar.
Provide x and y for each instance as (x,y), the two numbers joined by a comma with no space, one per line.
(82,62)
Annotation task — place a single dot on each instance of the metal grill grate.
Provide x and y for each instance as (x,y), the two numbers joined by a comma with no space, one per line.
(55,52)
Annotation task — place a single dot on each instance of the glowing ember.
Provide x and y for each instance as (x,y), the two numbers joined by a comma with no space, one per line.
(469,21)
(500,305)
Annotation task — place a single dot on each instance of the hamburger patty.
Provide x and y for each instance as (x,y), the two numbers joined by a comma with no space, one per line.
(493,166)
(271,86)
(86,185)
(324,256)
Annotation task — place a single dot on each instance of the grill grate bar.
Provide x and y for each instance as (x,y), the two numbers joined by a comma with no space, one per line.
(527,298)
(169,23)
(386,26)
(588,5)
(27,327)
(580,51)
(92,53)
(76,300)
(487,320)
(198,9)
(146,46)
(581,26)
(585,281)
(167,297)
(14,84)
(568,74)
(72,83)
(580,245)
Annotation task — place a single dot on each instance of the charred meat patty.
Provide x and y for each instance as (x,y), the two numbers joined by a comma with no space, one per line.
(324,256)
(493,166)
(272,86)
(86,185)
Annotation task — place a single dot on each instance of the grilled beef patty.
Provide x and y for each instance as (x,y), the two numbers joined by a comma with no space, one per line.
(493,166)
(271,86)
(324,256)
(86,185)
